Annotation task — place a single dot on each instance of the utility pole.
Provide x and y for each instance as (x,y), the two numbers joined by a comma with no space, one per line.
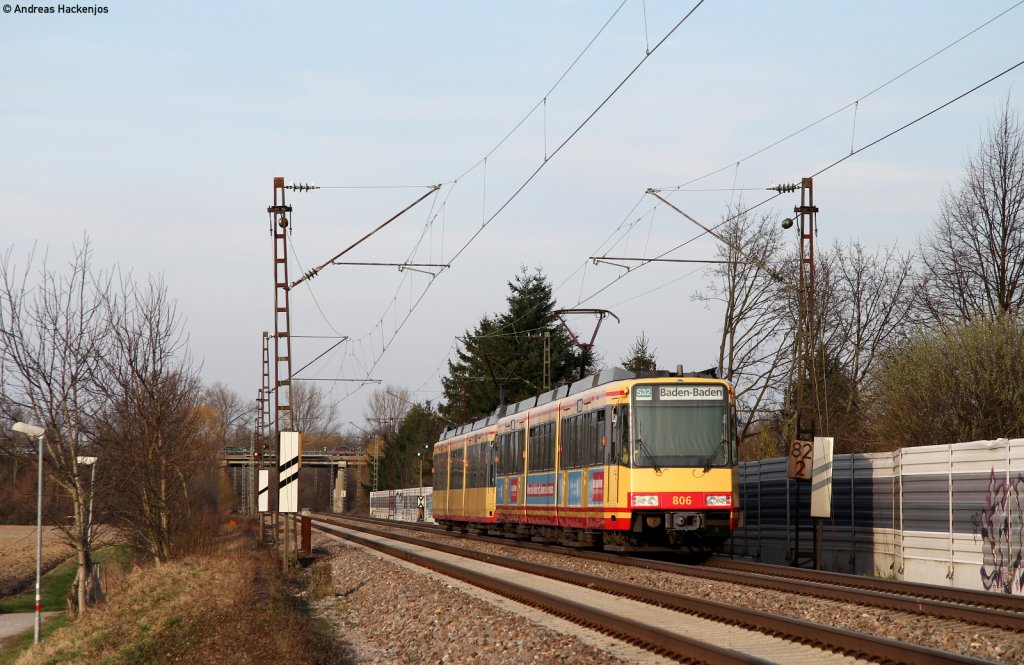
(265,422)
(279,213)
(801,452)
(806,386)
(376,460)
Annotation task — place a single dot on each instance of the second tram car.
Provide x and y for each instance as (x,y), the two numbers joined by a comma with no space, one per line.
(617,460)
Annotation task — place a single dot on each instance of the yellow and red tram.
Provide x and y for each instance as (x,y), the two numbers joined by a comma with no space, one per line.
(616,460)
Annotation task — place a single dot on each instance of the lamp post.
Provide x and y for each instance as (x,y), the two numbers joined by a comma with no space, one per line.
(38,432)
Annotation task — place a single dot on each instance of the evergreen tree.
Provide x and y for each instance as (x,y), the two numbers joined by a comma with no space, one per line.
(400,465)
(641,358)
(503,356)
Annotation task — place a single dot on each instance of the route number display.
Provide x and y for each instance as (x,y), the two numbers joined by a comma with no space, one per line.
(801,456)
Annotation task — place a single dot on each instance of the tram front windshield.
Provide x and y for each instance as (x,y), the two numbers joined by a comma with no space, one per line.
(681,425)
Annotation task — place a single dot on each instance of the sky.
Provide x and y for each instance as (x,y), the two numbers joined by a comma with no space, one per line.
(155,130)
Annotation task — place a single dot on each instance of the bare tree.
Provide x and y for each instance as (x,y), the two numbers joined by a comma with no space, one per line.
(864,307)
(754,349)
(974,257)
(313,414)
(386,409)
(52,337)
(163,480)
(229,418)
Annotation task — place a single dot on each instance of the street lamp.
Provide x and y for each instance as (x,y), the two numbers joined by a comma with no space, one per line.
(38,432)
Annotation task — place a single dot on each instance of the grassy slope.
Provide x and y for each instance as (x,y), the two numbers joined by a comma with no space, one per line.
(56,583)
(228,608)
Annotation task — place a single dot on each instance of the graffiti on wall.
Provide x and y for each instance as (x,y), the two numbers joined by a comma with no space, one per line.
(1002,533)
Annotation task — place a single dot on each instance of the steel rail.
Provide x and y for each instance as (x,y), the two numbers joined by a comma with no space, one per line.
(972,607)
(852,643)
(1005,602)
(647,637)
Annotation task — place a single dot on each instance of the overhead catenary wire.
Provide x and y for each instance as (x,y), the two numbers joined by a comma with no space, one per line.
(488,220)
(919,118)
(583,266)
(543,99)
(822,170)
(826,168)
(852,103)
(576,131)
(313,273)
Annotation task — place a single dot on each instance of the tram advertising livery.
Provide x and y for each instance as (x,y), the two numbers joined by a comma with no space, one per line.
(617,460)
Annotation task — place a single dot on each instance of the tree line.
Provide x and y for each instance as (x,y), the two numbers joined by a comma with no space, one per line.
(100,361)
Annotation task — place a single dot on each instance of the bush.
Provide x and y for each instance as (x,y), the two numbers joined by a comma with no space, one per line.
(965,383)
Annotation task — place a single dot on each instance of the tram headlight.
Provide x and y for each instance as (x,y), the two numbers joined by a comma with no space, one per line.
(645,500)
(719,499)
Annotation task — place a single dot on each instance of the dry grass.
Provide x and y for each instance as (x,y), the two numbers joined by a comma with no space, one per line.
(18,554)
(225,608)
(321,581)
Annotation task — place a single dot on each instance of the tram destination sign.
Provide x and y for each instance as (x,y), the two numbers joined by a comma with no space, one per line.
(678,392)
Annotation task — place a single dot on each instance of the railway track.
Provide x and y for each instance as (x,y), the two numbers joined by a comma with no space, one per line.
(682,627)
(978,608)
(1010,607)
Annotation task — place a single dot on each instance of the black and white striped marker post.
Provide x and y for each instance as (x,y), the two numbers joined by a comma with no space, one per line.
(288,473)
(263,500)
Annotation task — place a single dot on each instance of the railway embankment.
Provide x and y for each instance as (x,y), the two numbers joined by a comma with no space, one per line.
(228,606)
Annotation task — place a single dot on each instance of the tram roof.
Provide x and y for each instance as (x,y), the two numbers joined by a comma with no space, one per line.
(586,383)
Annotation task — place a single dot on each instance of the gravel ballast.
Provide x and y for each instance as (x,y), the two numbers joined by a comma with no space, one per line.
(390,613)
(996,645)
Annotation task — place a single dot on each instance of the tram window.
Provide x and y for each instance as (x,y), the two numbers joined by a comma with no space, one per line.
(440,471)
(593,439)
(504,454)
(582,449)
(473,467)
(613,438)
(458,470)
(507,454)
(597,456)
(516,456)
(546,449)
(574,452)
(576,444)
(581,440)
(491,466)
(624,435)
(549,447)
(536,445)
(480,462)
(568,443)
(479,473)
